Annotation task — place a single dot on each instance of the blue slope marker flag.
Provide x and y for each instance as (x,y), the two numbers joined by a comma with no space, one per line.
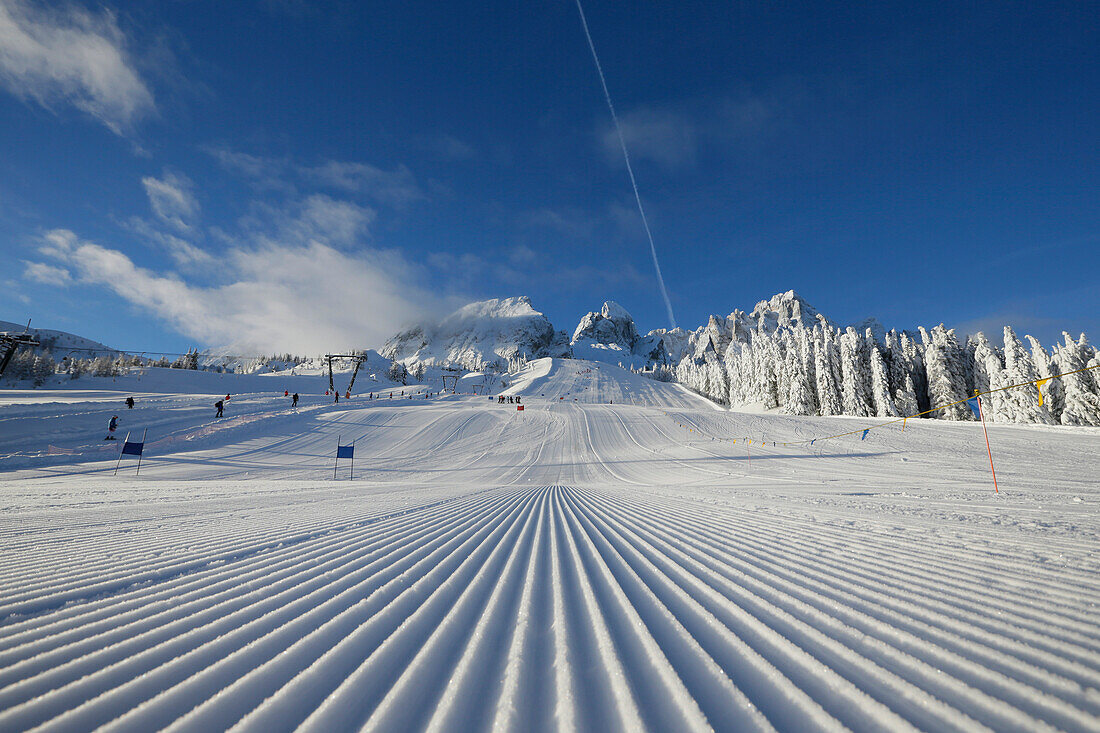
(132,448)
(973,403)
(344,451)
(864,437)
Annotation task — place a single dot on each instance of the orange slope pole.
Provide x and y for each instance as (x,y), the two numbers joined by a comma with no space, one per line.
(981,411)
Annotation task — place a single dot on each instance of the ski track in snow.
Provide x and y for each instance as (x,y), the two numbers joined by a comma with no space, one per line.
(580,565)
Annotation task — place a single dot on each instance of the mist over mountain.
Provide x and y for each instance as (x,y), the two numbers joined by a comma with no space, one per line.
(479,335)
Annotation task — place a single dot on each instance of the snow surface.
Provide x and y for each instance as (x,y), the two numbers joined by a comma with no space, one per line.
(578,564)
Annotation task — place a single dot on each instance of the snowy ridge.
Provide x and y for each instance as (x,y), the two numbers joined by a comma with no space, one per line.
(61,343)
(480,335)
(609,335)
(578,565)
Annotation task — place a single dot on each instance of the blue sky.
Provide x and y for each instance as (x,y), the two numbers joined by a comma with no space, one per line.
(300,176)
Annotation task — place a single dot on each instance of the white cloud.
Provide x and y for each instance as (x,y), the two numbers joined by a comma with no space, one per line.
(663,137)
(397,187)
(330,220)
(450,148)
(184,253)
(69,55)
(46,274)
(262,171)
(277,297)
(172,199)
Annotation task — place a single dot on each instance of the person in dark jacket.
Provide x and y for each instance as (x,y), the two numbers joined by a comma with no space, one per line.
(294,400)
(129,403)
(219,404)
(111,427)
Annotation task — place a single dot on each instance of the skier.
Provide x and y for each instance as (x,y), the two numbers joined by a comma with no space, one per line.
(227,398)
(219,404)
(129,403)
(286,393)
(111,427)
(337,396)
(294,400)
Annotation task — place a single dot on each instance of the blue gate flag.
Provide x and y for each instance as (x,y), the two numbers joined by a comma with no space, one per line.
(813,441)
(865,434)
(132,449)
(973,402)
(345,451)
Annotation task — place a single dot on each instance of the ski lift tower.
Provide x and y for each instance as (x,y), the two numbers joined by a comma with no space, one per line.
(359,359)
(11,341)
(451,373)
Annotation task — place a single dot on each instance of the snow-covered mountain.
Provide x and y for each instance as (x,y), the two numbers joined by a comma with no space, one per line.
(610,335)
(62,343)
(479,335)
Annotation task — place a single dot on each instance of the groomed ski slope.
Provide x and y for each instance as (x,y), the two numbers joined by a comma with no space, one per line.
(577,565)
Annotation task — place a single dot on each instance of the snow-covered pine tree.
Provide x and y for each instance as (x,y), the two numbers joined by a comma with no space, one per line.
(880,385)
(717,380)
(989,375)
(1082,404)
(828,393)
(398,372)
(781,340)
(103,367)
(21,365)
(946,383)
(42,369)
(855,384)
(914,362)
(735,374)
(1053,391)
(1088,356)
(895,361)
(905,398)
(765,356)
(804,338)
(800,397)
(1021,402)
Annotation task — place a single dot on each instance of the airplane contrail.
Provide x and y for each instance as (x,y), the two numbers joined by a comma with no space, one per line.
(629,168)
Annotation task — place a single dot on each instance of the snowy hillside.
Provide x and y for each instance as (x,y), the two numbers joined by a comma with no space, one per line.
(606,559)
(477,335)
(60,343)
